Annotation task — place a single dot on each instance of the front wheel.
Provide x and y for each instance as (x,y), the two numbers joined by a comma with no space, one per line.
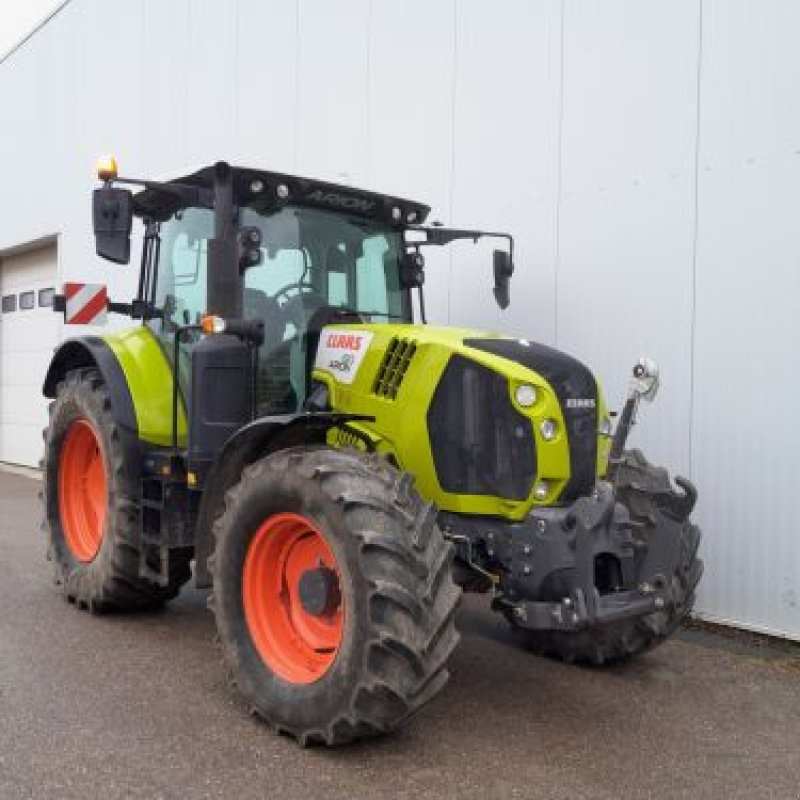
(333,594)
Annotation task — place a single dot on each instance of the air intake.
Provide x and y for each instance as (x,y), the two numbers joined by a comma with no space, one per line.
(393,367)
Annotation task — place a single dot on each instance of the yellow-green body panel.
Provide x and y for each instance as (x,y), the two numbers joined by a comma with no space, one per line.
(149,378)
(400,425)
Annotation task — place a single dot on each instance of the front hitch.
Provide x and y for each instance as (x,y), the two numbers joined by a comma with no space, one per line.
(589,522)
(641,524)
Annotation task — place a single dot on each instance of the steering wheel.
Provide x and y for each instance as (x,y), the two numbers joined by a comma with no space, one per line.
(299,306)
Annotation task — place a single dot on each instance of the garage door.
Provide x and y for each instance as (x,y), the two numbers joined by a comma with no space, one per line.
(28,334)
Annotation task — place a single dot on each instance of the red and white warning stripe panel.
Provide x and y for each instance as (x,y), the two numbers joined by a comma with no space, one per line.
(85,303)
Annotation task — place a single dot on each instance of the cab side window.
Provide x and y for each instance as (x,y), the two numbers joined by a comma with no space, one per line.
(182,285)
(372,276)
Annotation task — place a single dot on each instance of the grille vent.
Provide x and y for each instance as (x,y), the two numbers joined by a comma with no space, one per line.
(346,438)
(393,367)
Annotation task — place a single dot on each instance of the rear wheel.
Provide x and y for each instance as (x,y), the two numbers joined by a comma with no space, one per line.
(90,499)
(333,594)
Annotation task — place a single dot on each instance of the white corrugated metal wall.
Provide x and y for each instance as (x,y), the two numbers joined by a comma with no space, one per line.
(646,153)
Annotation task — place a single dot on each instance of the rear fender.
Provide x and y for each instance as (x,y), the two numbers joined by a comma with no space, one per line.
(250,443)
(149,377)
(139,377)
(93,352)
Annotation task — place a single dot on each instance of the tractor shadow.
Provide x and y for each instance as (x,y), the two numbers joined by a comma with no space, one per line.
(499,692)
(497,688)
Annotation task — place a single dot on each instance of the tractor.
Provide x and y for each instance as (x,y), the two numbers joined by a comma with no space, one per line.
(276,424)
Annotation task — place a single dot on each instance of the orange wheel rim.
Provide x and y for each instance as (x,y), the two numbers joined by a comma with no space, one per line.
(292,601)
(82,491)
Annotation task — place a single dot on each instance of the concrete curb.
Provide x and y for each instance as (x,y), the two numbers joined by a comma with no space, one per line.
(27,472)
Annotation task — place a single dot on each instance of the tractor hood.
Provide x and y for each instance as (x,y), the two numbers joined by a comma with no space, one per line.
(488,424)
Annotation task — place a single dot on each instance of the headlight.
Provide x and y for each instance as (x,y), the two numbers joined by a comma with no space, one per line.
(525,395)
(542,490)
(548,429)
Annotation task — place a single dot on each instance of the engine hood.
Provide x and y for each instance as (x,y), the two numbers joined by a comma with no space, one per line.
(413,380)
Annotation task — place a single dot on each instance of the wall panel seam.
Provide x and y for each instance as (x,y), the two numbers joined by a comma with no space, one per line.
(695,238)
(559,169)
(453,110)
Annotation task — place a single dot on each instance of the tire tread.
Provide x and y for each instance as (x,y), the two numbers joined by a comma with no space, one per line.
(408,566)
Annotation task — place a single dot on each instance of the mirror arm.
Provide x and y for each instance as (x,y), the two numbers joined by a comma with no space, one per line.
(441,236)
(190,195)
(438,236)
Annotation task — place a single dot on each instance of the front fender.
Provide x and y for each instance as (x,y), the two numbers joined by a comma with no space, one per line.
(255,440)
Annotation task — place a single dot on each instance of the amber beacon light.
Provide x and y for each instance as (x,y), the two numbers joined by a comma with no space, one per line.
(107,168)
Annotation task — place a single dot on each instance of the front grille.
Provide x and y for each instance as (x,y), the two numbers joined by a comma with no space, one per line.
(396,362)
(570,380)
(481,444)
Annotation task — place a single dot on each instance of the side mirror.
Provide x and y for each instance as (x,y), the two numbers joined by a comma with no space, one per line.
(112,215)
(503,270)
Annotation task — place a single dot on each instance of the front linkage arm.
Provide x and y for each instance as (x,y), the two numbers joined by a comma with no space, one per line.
(644,386)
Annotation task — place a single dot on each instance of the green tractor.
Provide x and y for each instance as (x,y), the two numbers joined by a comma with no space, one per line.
(278,424)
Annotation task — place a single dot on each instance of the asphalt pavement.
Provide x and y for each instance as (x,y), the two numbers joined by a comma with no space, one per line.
(139,707)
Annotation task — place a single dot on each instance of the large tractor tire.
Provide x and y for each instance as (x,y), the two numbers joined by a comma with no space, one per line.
(333,594)
(620,641)
(91,509)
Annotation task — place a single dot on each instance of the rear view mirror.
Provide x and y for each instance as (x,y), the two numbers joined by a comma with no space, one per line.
(503,270)
(112,216)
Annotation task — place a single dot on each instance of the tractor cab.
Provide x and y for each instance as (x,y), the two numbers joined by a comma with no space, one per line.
(305,268)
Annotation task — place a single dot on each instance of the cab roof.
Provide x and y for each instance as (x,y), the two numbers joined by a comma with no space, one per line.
(266,191)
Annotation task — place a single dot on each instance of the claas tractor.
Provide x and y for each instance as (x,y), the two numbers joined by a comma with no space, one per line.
(277,424)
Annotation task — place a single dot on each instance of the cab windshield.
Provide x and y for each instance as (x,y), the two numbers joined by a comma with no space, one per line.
(313,259)
(317,268)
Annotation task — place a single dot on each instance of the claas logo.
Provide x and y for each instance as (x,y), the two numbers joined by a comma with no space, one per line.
(344,341)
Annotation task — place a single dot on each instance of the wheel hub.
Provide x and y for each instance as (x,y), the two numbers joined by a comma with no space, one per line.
(319,591)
